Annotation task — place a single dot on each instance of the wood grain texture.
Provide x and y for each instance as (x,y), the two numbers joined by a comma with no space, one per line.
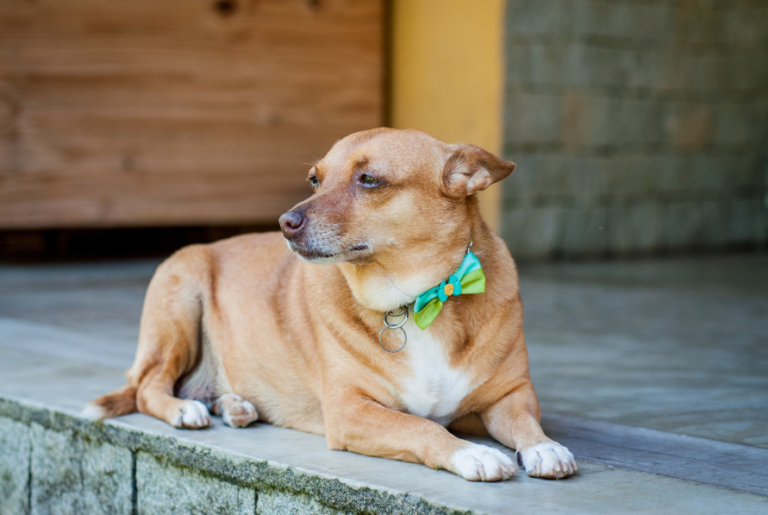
(156,112)
(727,465)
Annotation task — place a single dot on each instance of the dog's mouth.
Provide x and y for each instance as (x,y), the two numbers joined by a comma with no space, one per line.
(311,254)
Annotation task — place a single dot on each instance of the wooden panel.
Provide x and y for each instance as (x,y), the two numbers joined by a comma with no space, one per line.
(152,112)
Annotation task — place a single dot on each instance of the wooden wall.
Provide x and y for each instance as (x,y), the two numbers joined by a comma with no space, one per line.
(175,112)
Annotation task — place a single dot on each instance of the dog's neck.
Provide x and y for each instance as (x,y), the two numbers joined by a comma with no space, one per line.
(395,280)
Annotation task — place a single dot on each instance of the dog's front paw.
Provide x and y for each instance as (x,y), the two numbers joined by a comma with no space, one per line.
(193,415)
(549,460)
(235,411)
(481,463)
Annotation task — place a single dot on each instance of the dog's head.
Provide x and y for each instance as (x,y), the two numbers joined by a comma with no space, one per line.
(384,191)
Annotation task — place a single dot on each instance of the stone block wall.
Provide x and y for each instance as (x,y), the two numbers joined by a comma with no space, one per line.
(55,462)
(45,470)
(59,471)
(637,126)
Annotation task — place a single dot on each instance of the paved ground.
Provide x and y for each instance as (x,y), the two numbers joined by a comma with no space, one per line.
(676,345)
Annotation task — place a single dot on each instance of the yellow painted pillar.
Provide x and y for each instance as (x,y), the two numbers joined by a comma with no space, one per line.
(447,75)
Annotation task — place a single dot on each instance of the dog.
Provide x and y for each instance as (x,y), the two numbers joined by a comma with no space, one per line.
(334,335)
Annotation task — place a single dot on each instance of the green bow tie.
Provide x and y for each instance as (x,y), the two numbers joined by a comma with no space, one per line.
(469,278)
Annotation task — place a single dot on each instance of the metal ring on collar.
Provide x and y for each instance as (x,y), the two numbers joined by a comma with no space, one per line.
(405,338)
(402,312)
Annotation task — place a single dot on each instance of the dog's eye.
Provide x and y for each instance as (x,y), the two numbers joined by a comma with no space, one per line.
(369,180)
(314,181)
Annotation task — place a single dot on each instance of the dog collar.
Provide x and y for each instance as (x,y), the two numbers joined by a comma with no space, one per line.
(468,279)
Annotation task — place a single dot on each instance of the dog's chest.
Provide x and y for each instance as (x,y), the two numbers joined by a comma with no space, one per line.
(434,389)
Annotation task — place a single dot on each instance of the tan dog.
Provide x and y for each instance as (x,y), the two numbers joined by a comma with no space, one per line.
(245,327)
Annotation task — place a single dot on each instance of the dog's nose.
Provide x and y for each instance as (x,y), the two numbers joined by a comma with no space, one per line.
(291,223)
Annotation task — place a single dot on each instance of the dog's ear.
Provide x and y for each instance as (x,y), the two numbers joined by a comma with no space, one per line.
(470,169)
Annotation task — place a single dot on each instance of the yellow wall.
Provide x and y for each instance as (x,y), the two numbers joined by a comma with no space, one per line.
(447,75)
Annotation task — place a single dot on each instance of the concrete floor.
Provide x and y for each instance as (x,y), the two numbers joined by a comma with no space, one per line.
(677,345)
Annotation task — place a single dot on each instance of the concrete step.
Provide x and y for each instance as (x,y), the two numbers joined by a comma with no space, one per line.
(52,461)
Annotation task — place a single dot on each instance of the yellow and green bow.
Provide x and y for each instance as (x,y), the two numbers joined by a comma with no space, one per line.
(469,278)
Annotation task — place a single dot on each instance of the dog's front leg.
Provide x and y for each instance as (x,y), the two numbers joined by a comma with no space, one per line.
(514,421)
(359,424)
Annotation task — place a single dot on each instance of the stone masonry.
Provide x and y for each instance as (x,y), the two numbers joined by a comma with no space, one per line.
(637,126)
(54,462)
(73,469)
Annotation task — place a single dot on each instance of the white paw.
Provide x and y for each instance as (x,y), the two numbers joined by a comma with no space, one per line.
(93,412)
(549,460)
(236,411)
(193,415)
(481,463)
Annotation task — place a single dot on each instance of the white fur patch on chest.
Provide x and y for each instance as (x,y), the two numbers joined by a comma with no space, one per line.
(434,389)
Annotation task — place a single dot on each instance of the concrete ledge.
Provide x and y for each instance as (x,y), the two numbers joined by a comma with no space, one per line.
(52,461)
